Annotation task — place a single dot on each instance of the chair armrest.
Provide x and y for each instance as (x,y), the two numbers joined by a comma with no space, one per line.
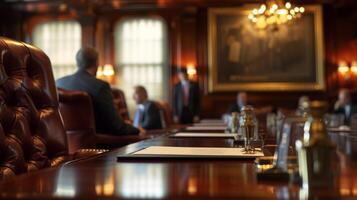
(84,153)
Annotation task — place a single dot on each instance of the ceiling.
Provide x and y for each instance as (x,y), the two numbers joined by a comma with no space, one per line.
(108,5)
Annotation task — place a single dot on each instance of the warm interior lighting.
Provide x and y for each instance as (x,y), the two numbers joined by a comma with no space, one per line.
(62,7)
(116,4)
(343,68)
(99,71)
(274,12)
(354,67)
(106,73)
(192,185)
(191,69)
(108,188)
(108,70)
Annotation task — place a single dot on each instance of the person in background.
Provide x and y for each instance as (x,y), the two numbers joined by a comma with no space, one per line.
(242,100)
(186,102)
(147,115)
(344,105)
(107,119)
(302,105)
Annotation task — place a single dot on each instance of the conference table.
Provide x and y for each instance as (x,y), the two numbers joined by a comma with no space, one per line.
(106,177)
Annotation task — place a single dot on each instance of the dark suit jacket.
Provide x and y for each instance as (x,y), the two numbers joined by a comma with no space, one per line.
(107,119)
(233,108)
(341,110)
(151,117)
(193,102)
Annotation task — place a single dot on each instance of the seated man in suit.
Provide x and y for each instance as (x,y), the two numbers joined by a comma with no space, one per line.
(107,119)
(242,100)
(344,105)
(186,102)
(147,115)
(303,103)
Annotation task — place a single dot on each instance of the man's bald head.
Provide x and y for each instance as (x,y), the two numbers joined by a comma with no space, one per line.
(87,58)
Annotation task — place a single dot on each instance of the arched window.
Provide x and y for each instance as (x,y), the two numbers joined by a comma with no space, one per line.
(141,55)
(60,40)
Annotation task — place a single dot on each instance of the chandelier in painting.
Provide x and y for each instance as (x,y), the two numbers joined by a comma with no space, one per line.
(274,13)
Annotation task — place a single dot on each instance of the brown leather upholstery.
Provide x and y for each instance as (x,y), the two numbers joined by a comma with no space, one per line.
(120,103)
(31,133)
(77,118)
(81,134)
(166,114)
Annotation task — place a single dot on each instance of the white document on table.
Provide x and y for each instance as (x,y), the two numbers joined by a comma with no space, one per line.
(203,135)
(204,128)
(199,151)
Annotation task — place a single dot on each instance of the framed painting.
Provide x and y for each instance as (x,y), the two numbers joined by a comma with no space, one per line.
(242,57)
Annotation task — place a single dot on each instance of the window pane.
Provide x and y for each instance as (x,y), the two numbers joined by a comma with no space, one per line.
(140,45)
(60,40)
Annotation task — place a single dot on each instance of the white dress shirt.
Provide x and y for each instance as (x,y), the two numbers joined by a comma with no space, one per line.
(186,91)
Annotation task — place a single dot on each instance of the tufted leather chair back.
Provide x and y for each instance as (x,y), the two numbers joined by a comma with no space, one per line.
(32,135)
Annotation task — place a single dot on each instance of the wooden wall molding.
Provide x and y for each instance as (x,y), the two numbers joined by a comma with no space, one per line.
(187,29)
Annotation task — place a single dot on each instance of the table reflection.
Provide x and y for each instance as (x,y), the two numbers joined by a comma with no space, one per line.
(283,192)
(141,181)
(66,186)
(192,185)
(105,183)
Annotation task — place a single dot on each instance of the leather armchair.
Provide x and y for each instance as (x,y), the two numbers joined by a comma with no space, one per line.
(166,114)
(76,106)
(120,103)
(32,135)
(78,120)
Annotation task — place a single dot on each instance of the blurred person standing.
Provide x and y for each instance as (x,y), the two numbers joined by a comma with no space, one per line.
(186,102)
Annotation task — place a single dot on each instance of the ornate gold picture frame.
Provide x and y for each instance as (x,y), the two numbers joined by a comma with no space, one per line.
(244,58)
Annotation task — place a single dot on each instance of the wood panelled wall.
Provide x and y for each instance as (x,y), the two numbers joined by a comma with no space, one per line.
(187,30)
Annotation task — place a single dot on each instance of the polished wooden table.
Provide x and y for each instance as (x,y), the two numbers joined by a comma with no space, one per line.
(102,177)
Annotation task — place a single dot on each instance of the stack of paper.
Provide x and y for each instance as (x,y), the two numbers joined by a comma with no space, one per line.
(198,152)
